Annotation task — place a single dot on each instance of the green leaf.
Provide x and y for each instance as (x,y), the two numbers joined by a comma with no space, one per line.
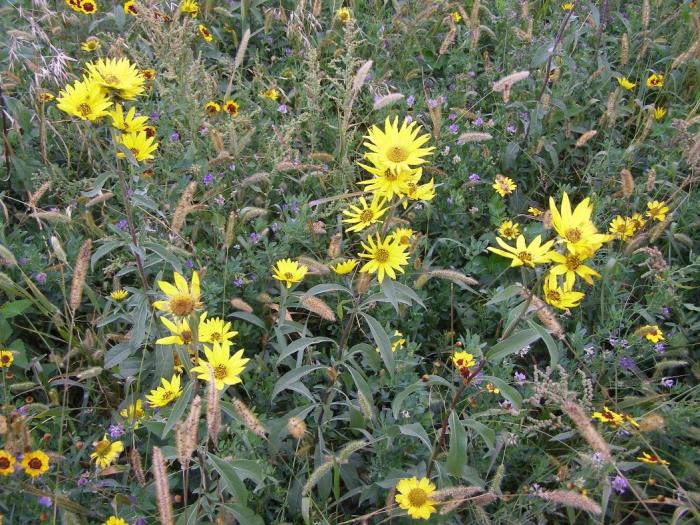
(511,345)
(389,292)
(14,308)
(383,342)
(249,469)
(504,294)
(399,399)
(300,345)
(291,380)
(485,432)
(178,409)
(229,478)
(552,345)
(243,514)
(117,355)
(251,318)
(416,430)
(457,455)
(362,386)
(324,288)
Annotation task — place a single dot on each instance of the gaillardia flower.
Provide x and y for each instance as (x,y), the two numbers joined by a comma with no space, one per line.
(655,81)
(226,368)
(106,452)
(231,107)
(35,463)
(182,299)
(7,463)
(289,271)
(651,459)
(397,148)
(6,359)
(385,256)
(414,497)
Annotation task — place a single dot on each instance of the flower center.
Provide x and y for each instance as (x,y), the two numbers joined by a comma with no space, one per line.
(572,263)
(186,337)
(220,371)
(526,257)
(111,79)
(5,359)
(167,395)
(102,448)
(366,215)
(84,109)
(135,151)
(390,175)
(417,497)
(573,235)
(35,463)
(289,276)
(553,296)
(4,463)
(182,305)
(381,255)
(397,154)
(215,336)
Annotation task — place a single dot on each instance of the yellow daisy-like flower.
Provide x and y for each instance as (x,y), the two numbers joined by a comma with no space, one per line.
(180,333)
(190,7)
(6,358)
(204,33)
(45,96)
(139,143)
(608,416)
(88,7)
(414,497)
(385,256)
(509,230)
(216,330)
(363,216)
(74,5)
(344,267)
(149,74)
(571,265)
(657,210)
(655,81)
(212,107)
(35,463)
(651,332)
(523,254)
(133,413)
(504,185)
(226,368)
(420,192)
(397,341)
(387,182)
(91,44)
(113,520)
(568,6)
(231,107)
(576,228)
(118,76)
(403,235)
(165,394)
(106,452)
(622,228)
(492,389)
(84,99)
(562,297)
(150,131)
(183,299)
(7,463)
(625,83)
(289,271)
(119,295)
(535,212)
(343,14)
(130,8)
(637,221)
(128,123)
(271,94)
(659,112)
(463,360)
(651,459)
(456,17)
(397,148)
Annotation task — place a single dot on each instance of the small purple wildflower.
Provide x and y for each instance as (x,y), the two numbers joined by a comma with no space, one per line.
(275,227)
(660,347)
(238,282)
(519,378)
(140,521)
(667,382)
(220,200)
(189,263)
(478,121)
(155,115)
(377,98)
(283,108)
(23,261)
(295,207)
(408,119)
(454,129)
(471,74)
(410,101)
(115,431)
(446,150)
(456,159)
(287,51)
(123,224)
(40,277)
(45,501)
(665,311)
(474,178)
(208,179)
(510,128)
(174,136)
(83,479)
(254,237)
(619,484)
(22,411)
(452,116)
(627,363)
(432,103)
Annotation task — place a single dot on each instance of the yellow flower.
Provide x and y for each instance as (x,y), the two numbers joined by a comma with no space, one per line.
(403,235)
(509,230)
(345,267)
(622,228)
(231,107)
(150,131)
(570,265)
(130,8)
(139,143)
(389,182)
(74,5)
(384,256)
(626,84)
(343,14)
(6,359)
(113,520)
(414,497)
(88,7)
(659,112)
(608,416)
(657,210)
(91,44)
(216,330)
(655,81)
(637,221)
(7,463)
(149,74)
(133,413)
(204,32)
(576,228)
(463,360)
(289,271)
(456,17)
(563,297)
(35,463)
(397,341)
(652,459)
(226,368)
(119,295)
(212,107)
(363,216)
(128,123)
(535,212)
(106,452)
(166,393)
(491,389)
(651,331)
(84,99)
(190,6)
(181,333)
(397,148)
(568,6)
(271,94)
(504,185)
(422,192)
(119,76)
(522,254)
(45,96)
(182,299)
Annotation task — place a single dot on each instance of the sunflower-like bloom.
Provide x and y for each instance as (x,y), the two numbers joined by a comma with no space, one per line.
(397,148)
(456,17)
(216,330)
(363,216)
(651,332)
(119,295)
(345,267)
(6,358)
(385,257)
(608,416)
(420,192)
(212,107)
(397,341)
(575,228)
(570,265)
(88,7)
(270,94)
(183,299)
(388,183)
(414,497)
(148,73)
(190,7)
(231,107)
(74,5)
(225,367)
(130,8)
(562,297)
(524,254)
(128,123)
(139,143)
(165,394)
(343,15)
(204,33)
(180,333)
(509,230)
(463,360)
(621,228)
(659,112)
(85,99)
(625,83)
(655,81)
(637,221)
(289,271)
(133,413)
(35,463)
(567,6)
(106,452)
(651,459)
(114,520)
(535,212)
(403,235)
(119,76)
(91,44)
(7,463)
(657,210)
(504,185)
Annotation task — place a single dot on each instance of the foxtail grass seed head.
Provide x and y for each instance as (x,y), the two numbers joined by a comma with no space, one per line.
(137,466)
(627,183)
(454,276)
(569,498)
(80,274)
(160,474)
(624,49)
(320,308)
(58,249)
(473,136)
(333,250)
(213,408)
(316,476)
(314,266)
(387,100)
(296,427)
(38,194)
(249,419)
(230,234)
(240,304)
(183,208)
(586,429)
(651,180)
(646,11)
(508,81)
(583,139)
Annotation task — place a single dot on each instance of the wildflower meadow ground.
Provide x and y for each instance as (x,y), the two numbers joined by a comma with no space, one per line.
(349,262)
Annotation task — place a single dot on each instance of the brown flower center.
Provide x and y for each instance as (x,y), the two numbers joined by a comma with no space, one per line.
(84,109)
(220,371)
(390,175)
(182,305)
(167,395)
(186,336)
(35,464)
(288,276)
(4,463)
(525,257)
(417,497)
(572,263)
(553,296)
(102,448)
(366,215)
(397,154)
(573,235)
(381,255)
(216,336)
(111,79)
(4,359)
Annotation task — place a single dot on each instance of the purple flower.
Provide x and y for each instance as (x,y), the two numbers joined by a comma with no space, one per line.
(283,108)
(23,260)
(377,98)
(471,74)
(208,179)
(45,501)
(474,178)
(123,224)
(40,277)
(667,382)
(660,347)
(519,378)
(189,263)
(627,363)
(619,484)
(155,115)
(295,207)
(432,103)
(254,237)
(238,282)
(174,136)
(452,116)
(287,51)
(115,431)
(450,200)
(454,129)
(274,227)
(219,199)
(83,479)
(23,410)
(410,101)
(140,521)
(478,121)
(510,128)
(665,311)
(408,119)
